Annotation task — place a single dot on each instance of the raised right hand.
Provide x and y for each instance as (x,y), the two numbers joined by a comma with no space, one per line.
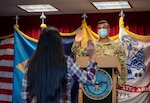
(78,36)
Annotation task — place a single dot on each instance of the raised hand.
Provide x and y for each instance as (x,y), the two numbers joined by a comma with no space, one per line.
(78,36)
(90,49)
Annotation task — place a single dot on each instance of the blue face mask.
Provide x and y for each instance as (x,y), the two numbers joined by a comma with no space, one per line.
(102,33)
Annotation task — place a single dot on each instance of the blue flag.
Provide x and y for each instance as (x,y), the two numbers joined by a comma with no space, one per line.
(24,47)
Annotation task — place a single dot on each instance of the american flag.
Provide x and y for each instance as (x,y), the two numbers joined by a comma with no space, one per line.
(6,69)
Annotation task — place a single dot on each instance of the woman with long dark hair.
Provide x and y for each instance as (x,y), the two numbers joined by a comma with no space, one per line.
(50,73)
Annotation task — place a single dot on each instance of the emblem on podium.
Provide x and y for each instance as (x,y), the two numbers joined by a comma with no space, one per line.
(102,87)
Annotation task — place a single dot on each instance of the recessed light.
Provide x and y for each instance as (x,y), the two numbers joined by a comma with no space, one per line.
(38,8)
(112,5)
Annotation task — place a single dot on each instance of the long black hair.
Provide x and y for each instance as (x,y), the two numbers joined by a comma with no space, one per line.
(47,68)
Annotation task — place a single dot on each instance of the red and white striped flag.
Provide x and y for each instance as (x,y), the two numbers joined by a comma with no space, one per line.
(6,69)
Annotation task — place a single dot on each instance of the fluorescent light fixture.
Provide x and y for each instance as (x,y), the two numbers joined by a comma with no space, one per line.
(38,8)
(112,5)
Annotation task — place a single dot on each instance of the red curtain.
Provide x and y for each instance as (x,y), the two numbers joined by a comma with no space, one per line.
(138,23)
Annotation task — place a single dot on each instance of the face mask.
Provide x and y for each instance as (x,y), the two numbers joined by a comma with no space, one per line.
(102,33)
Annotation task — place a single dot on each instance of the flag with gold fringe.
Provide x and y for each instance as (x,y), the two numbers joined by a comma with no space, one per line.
(24,46)
(137,47)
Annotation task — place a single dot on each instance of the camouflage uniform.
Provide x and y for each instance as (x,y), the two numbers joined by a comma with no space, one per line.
(111,48)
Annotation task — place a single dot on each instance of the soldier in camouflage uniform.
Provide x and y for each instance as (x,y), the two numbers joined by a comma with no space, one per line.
(104,47)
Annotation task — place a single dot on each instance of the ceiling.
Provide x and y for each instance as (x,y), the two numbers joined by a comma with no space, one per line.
(9,7)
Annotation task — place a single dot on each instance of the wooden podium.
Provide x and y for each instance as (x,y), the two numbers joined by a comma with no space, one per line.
(107,63)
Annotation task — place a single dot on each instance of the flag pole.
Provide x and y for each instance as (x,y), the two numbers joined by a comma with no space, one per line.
(121,14)
(43,25)
(16,19)
(84,16)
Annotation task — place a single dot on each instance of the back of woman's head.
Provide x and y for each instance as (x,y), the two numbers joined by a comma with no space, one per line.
(50,40)
(47,68)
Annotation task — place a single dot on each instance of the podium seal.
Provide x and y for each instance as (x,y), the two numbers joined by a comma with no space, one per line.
(102,87)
